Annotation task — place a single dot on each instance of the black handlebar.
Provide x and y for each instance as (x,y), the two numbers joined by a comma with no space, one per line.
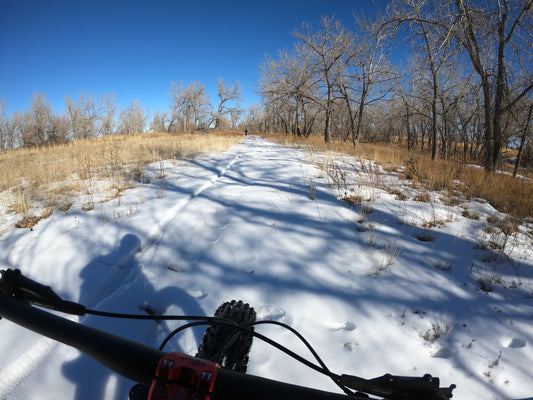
(138,362)
(142,363)
(130,359)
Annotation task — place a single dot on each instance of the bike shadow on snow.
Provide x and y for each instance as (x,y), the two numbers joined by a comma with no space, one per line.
(116,282)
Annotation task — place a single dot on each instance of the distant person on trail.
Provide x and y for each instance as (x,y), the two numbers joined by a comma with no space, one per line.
(246,132)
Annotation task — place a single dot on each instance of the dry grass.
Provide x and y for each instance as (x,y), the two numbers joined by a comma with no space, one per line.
(507,194)
(42,176)
(510,195)
(353,199)
(28,221)
(384,154)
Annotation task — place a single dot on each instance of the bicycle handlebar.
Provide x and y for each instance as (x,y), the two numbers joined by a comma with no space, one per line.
(132,360)
(166,372)
(139,362)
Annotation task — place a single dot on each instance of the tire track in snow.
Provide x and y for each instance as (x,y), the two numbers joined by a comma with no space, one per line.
(14,374)
(155,235)
(148,247)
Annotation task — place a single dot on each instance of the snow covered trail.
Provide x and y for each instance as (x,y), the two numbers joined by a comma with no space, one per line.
(104,284)
(261,223)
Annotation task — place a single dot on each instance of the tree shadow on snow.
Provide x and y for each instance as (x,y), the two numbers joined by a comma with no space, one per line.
(441,285)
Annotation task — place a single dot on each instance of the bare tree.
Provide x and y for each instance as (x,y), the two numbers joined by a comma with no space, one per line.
(159,121)
(4,126)
(495,36)
(466,113)
(486,31)
(132,120)
(329,46)
(16,128)
(108,111)
(327,79)
(367,72)
(277,115)
(229,97)
(253,119)
(273,93)
(288,81)
(36,124)
(83,115)
(403,110)
(190,105)
(235,115)
(58,129)
(431,41)
(468,108)
(523,117)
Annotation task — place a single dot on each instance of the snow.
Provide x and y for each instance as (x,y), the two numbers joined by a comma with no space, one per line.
(386,286)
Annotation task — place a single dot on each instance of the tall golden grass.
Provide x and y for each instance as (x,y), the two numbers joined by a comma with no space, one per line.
(42,175)
(39,175)
(507,194)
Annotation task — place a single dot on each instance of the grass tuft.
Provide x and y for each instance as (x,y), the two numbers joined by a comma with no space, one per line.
(508,194)
(29,221)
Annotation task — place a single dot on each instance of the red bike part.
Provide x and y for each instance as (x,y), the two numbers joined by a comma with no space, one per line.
(182,377)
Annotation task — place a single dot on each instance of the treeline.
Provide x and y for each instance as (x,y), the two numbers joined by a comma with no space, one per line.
(461,84)
(83,118)
(88,116)
(448,77)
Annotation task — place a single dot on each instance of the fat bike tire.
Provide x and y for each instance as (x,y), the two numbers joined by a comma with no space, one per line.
(228,346)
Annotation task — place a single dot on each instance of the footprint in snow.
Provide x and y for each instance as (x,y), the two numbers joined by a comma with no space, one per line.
(516,343)
(270,312)
(348,346)
(443,353)
(197,293)
(222,220)
(342,325)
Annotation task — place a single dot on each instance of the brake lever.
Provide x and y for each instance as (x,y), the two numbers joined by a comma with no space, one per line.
(16,285)
(400,387)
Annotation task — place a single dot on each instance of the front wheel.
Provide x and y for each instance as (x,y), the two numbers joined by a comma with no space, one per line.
(228,346)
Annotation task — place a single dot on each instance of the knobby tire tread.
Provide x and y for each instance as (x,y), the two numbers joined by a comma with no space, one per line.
(229,346)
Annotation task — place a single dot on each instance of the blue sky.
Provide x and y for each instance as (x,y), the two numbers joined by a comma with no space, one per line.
(136,48)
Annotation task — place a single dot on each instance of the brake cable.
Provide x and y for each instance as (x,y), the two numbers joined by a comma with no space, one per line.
(202,320)
(14,284)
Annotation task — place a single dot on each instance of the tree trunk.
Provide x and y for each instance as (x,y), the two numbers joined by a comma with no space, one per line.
(499,94)
(522,141)
(327,126)
(434,133)
(489,125)
(359,120)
